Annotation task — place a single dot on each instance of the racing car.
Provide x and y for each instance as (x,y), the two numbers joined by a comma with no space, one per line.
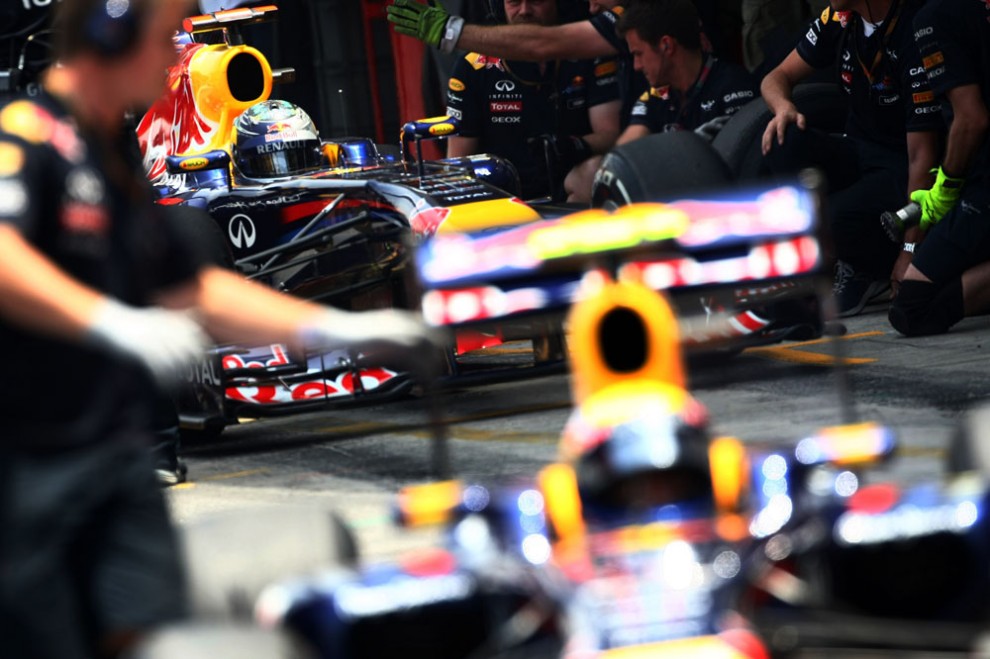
(334,221)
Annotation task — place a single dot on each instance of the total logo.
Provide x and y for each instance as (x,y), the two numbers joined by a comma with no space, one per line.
(505,85)
(242,231)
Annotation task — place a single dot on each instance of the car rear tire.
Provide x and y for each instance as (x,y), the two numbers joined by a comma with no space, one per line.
(658,167)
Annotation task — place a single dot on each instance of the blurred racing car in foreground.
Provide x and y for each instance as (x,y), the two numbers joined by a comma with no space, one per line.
(649,537)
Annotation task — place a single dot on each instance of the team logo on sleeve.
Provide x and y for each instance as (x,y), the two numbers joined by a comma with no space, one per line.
(11,159)
(456,85)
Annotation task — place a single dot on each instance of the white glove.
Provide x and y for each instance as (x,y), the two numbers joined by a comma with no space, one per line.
(163,340)
(346,329)
(396,337)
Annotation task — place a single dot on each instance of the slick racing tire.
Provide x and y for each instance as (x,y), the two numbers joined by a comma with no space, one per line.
(739,143)
(197,640)
(657,167)
(231,558)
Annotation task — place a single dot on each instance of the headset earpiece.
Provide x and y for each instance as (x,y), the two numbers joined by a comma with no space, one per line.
(113,27)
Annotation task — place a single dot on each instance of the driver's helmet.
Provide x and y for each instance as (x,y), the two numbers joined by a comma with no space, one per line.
(274,139)
(648,462)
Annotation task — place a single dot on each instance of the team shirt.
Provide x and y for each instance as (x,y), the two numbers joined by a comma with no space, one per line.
(103,231)
(879,69)
(504,104)
(953,38)
(720,90)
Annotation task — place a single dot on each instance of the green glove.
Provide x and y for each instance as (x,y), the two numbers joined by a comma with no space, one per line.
(414,19)
(938,201)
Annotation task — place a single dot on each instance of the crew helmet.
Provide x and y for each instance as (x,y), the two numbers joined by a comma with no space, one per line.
(274,139)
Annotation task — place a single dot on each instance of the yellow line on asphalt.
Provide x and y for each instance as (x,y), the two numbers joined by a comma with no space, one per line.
(790,354)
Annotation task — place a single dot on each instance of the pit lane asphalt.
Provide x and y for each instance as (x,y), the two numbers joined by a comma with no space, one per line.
(355,460)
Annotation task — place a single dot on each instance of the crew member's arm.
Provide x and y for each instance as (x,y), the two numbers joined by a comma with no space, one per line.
(536,43)
(37,295)
(632,133)
(923,153)
(777,88)
(263,315)
(604,119)
(462,146)
(967,132)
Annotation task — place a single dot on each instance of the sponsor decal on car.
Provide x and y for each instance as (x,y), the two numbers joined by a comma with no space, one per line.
(242,231)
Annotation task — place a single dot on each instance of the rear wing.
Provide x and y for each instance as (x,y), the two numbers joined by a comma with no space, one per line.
(736,249)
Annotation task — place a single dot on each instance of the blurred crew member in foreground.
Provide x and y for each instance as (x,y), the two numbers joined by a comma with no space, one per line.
(547,118)
(97,296)
(949,277)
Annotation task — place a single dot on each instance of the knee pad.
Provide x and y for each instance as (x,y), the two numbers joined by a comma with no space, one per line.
(922,308)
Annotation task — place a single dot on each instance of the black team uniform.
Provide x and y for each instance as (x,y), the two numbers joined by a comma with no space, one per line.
(509,105)
(953,37)
(867,169)
(722,88)
(83,517)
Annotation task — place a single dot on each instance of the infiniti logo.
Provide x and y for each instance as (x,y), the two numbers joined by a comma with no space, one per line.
(505,85)
(241,231)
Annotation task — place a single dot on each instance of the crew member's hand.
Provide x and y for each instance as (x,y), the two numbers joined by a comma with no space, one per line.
(424,22)
(569,150)
(939,200)
(164,341)
(397,336)
(778,126)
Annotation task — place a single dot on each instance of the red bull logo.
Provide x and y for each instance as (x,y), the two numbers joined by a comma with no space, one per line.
(278,127)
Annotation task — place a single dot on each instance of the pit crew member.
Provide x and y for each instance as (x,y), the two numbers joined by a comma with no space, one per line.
(890,140)
(98,296)
(546,118)
(949,277)
(586,39)
(690,89)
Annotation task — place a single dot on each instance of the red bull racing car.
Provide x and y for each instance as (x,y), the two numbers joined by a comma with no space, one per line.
(334,220)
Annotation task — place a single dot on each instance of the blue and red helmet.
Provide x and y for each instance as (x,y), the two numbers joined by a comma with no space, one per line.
(274,139)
